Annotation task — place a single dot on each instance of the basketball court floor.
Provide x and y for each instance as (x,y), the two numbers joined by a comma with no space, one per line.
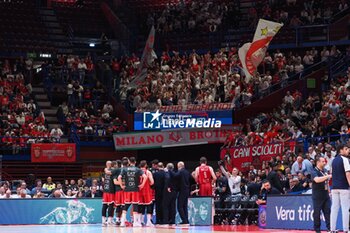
(98,228)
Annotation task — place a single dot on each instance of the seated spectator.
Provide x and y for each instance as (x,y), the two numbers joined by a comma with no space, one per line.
(56,134)
(23,194)
(38,188)
(93,193)
(49,185)
(294,186)
(2,192)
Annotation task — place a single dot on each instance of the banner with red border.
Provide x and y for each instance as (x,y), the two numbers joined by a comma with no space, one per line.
(53,152)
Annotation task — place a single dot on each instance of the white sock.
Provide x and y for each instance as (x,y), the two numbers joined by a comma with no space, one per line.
(103,219)
(110,219)
(137,218)
(123,218)
(149,217)
(117,219)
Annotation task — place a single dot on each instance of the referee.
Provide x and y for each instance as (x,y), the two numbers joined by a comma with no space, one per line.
(320,194)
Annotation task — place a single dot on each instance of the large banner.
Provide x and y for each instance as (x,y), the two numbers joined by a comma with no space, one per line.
(171,138)
(53,152)
(194,107)
(243,157)
(145,120)
(77,211)
(50,211)
(292,212)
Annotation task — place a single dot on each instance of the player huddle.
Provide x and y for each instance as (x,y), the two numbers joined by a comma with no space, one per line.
(125,184)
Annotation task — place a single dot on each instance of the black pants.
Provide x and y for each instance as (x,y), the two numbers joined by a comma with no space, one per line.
(169,207)
(324,204)
(182,202)
(159,207)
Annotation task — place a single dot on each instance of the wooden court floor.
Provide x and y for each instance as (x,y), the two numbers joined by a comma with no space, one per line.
(110,229)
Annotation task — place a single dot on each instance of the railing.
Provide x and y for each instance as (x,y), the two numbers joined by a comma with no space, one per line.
(22,145)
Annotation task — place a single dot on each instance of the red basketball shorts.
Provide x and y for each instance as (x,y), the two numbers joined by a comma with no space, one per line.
(119,198)
(205,190)
(108,198)
(131,197)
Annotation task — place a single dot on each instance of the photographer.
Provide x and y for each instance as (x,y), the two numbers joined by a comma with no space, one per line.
(222,191)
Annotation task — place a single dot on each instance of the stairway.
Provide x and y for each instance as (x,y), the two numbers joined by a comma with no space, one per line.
(45,106)
(55,30)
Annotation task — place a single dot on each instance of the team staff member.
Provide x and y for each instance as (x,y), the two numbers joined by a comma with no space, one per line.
(169,195)
(205,176)
(340,189)
(222,189)
(320,194)
(119,194)
(131,175)
(183,177)
(159,179)
(146,194)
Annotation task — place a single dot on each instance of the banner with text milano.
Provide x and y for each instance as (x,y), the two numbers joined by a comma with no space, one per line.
(171,138)
(243,157)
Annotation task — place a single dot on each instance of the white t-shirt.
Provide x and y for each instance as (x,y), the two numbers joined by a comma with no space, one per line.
(235,184)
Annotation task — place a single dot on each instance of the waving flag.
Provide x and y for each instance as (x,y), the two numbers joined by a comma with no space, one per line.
(252,54)
(147,59)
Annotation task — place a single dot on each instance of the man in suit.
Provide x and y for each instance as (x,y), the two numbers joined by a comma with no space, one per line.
(93,193)
(169,195)
(183,177)
(159,178)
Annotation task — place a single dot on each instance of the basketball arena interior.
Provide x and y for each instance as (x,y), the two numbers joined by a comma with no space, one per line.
(174,115)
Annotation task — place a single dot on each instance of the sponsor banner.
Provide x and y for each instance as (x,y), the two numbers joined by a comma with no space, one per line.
(194,107)
(171,138)
(172,120)
(262,216)
(293,212)
(50,211)
(243,157)
(78,211)
(53,152)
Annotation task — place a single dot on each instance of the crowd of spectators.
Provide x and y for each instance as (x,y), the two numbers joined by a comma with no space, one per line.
(287,12)
(82,188)
(85,108)
(316,118)
(21,120)
(193,16)
(176,79)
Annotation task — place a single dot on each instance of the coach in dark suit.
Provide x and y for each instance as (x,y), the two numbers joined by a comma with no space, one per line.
(169,195)
(183,177)
(159,178)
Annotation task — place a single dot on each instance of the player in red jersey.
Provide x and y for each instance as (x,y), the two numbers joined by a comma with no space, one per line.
(205,176)
(146,194)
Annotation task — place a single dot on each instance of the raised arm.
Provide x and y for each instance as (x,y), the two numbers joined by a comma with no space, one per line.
(226,174)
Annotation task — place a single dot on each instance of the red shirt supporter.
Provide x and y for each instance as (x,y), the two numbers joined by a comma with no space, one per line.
(115,66)
(5,100)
